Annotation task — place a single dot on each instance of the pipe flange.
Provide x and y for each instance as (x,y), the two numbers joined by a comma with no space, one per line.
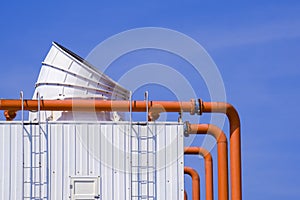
(193,107)
(199,106)
(196,107)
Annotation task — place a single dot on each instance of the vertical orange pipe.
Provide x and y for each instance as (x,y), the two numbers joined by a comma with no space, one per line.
(235,143)
(195,182)
(185,195)
(208,168)
(220,136)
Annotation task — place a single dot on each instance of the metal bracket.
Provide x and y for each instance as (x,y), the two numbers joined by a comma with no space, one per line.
(186,128)
(22,99)
(147,106)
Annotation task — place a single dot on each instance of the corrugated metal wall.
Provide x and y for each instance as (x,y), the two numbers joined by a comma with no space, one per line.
(130,162)
(11,161)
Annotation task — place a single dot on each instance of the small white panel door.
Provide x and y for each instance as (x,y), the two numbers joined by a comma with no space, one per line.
(85,188)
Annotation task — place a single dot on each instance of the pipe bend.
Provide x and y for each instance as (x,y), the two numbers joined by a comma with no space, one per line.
(208,168)
(195,182)
(217,133)
(193,173)
(211,129)
(208,157)
(198,150)
(222,153)
(223,107)
(235,143)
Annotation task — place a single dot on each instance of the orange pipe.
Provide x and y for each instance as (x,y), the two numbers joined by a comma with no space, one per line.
(220,136)
(99,105)
(208,168)
(235,143)
(185,195)
(195,182)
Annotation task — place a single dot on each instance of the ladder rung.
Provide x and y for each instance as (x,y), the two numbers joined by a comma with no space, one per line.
(152,167)
(143,196)
(143,181)
(143,152)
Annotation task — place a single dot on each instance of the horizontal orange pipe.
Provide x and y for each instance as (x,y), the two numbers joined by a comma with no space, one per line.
(195,182)
(208,168)
(235,143)
(220,136)
(98,105)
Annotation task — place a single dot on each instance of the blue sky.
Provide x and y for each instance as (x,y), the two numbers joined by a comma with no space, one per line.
(255,46)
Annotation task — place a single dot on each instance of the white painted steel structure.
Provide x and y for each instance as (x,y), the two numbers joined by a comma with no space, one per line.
(65,75)
(91,160)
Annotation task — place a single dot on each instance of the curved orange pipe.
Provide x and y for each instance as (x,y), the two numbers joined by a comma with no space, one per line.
(208,168)
(195,182)
(220,136)
(235,143)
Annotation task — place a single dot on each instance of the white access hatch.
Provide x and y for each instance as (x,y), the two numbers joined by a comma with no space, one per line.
(84,188)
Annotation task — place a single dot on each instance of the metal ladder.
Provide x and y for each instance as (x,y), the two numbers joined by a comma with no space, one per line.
(143,176)
(143,159)
(35,160)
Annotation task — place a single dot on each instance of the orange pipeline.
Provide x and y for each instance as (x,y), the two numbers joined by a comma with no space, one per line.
(185,195)
(195,182)
(208,168)
(220,136)
(154,107)
(99,105)
(235,143)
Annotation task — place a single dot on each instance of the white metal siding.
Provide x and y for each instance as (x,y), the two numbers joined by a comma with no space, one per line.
(11,161)
(80,149)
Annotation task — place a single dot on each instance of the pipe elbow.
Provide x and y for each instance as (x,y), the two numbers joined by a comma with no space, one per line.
(222,138)
(205,153)
(232,114)
(221,107)
(217,133)
(208,157)
(193,173)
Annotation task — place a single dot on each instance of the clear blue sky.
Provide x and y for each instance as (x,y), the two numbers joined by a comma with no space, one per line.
(255,46)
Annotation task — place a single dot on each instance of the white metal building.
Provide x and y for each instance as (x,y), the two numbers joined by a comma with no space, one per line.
(88,160)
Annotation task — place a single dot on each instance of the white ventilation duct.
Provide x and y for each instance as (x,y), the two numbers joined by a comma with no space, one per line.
(65,75)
